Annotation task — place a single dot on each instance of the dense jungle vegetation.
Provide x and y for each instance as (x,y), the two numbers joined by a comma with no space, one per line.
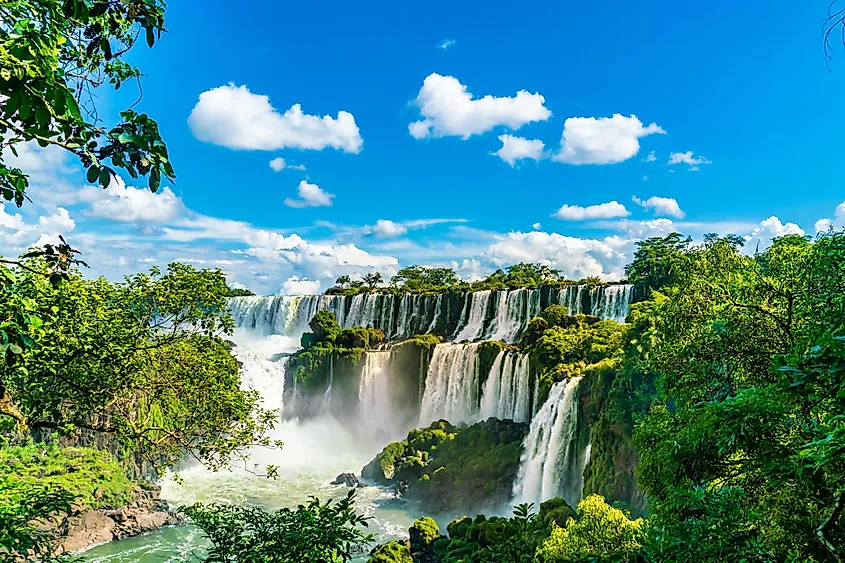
(725,389)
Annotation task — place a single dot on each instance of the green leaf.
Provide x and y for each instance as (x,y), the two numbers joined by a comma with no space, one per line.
(125,138)
(105,176)
(15,349)
(93,174)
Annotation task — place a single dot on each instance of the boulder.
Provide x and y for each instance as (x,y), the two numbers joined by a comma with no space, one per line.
(348,479)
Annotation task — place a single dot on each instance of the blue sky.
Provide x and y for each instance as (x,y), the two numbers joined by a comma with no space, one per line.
(739,94)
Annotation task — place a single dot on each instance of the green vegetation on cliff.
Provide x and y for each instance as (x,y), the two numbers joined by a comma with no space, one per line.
(422,279)
(94,477)
(449,468)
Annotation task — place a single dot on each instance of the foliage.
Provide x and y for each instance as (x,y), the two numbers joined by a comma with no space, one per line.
(324,326)
(240,292)
(25,508)
(319,532)
(451,468)
(567,347)
(600,531)
(656,261)
(503,540)
(423,533)
(359,337)
(392,552)
(372,279)
(746,450)
(54,55)
(93,476)
(141,361)
(421,278)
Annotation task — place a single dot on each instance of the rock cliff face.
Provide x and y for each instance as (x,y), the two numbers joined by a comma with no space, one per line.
(87,528)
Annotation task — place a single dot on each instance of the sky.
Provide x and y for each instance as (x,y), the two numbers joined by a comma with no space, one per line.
(317,139)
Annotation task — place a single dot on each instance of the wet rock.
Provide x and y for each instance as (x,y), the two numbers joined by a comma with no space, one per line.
(87,528)
(348,479)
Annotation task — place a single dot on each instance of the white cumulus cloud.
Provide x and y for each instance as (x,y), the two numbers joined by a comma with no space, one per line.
(694,162)
(388,228)
(606,140)
(607,210)
(310,195)
(278,164)
(448,109)
(761,238)
(576,257)
(233,117)
(446,44)
(837,222)
(520,148)
(661,206)
(17,234)
(295,285)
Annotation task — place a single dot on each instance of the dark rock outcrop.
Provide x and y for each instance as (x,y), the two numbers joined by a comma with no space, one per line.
(348,479)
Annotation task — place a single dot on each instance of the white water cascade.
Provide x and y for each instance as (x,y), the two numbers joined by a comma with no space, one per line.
(614,303)
(376,409)
(506,393)
(451,385)
(498,315)
(474,327)
(552,463)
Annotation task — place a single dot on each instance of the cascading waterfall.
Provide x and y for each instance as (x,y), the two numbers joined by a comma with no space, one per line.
(553,461)
(375,404)
(613,303)
(499,315)
(451,385)
(506,393)
(474,327)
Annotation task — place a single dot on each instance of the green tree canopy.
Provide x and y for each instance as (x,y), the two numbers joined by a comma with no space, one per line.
(142,361)
(745,457)
(54,55)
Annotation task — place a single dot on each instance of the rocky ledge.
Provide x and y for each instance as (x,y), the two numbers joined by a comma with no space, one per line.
(86,528)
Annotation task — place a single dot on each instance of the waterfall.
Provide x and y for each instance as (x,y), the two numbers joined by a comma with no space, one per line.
(265,315)
(451,385)
(613,302)
(377,412)
(506,392)
(552,463)
(498,315)
(474,326)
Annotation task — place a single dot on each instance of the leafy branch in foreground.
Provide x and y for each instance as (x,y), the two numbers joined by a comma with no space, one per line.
(53,55)
(315,532)
(142,361)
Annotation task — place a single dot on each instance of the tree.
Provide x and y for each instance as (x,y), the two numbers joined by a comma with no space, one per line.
(600,531)
(343,281)
(744,456)
(314,532)
(655,260)
(21,538)
(372,279)
(54,55)
(324,326)
(421,278)
(142,362)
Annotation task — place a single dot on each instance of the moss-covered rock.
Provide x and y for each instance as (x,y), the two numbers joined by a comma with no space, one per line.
(391,552)
(423,533)
(448,468)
